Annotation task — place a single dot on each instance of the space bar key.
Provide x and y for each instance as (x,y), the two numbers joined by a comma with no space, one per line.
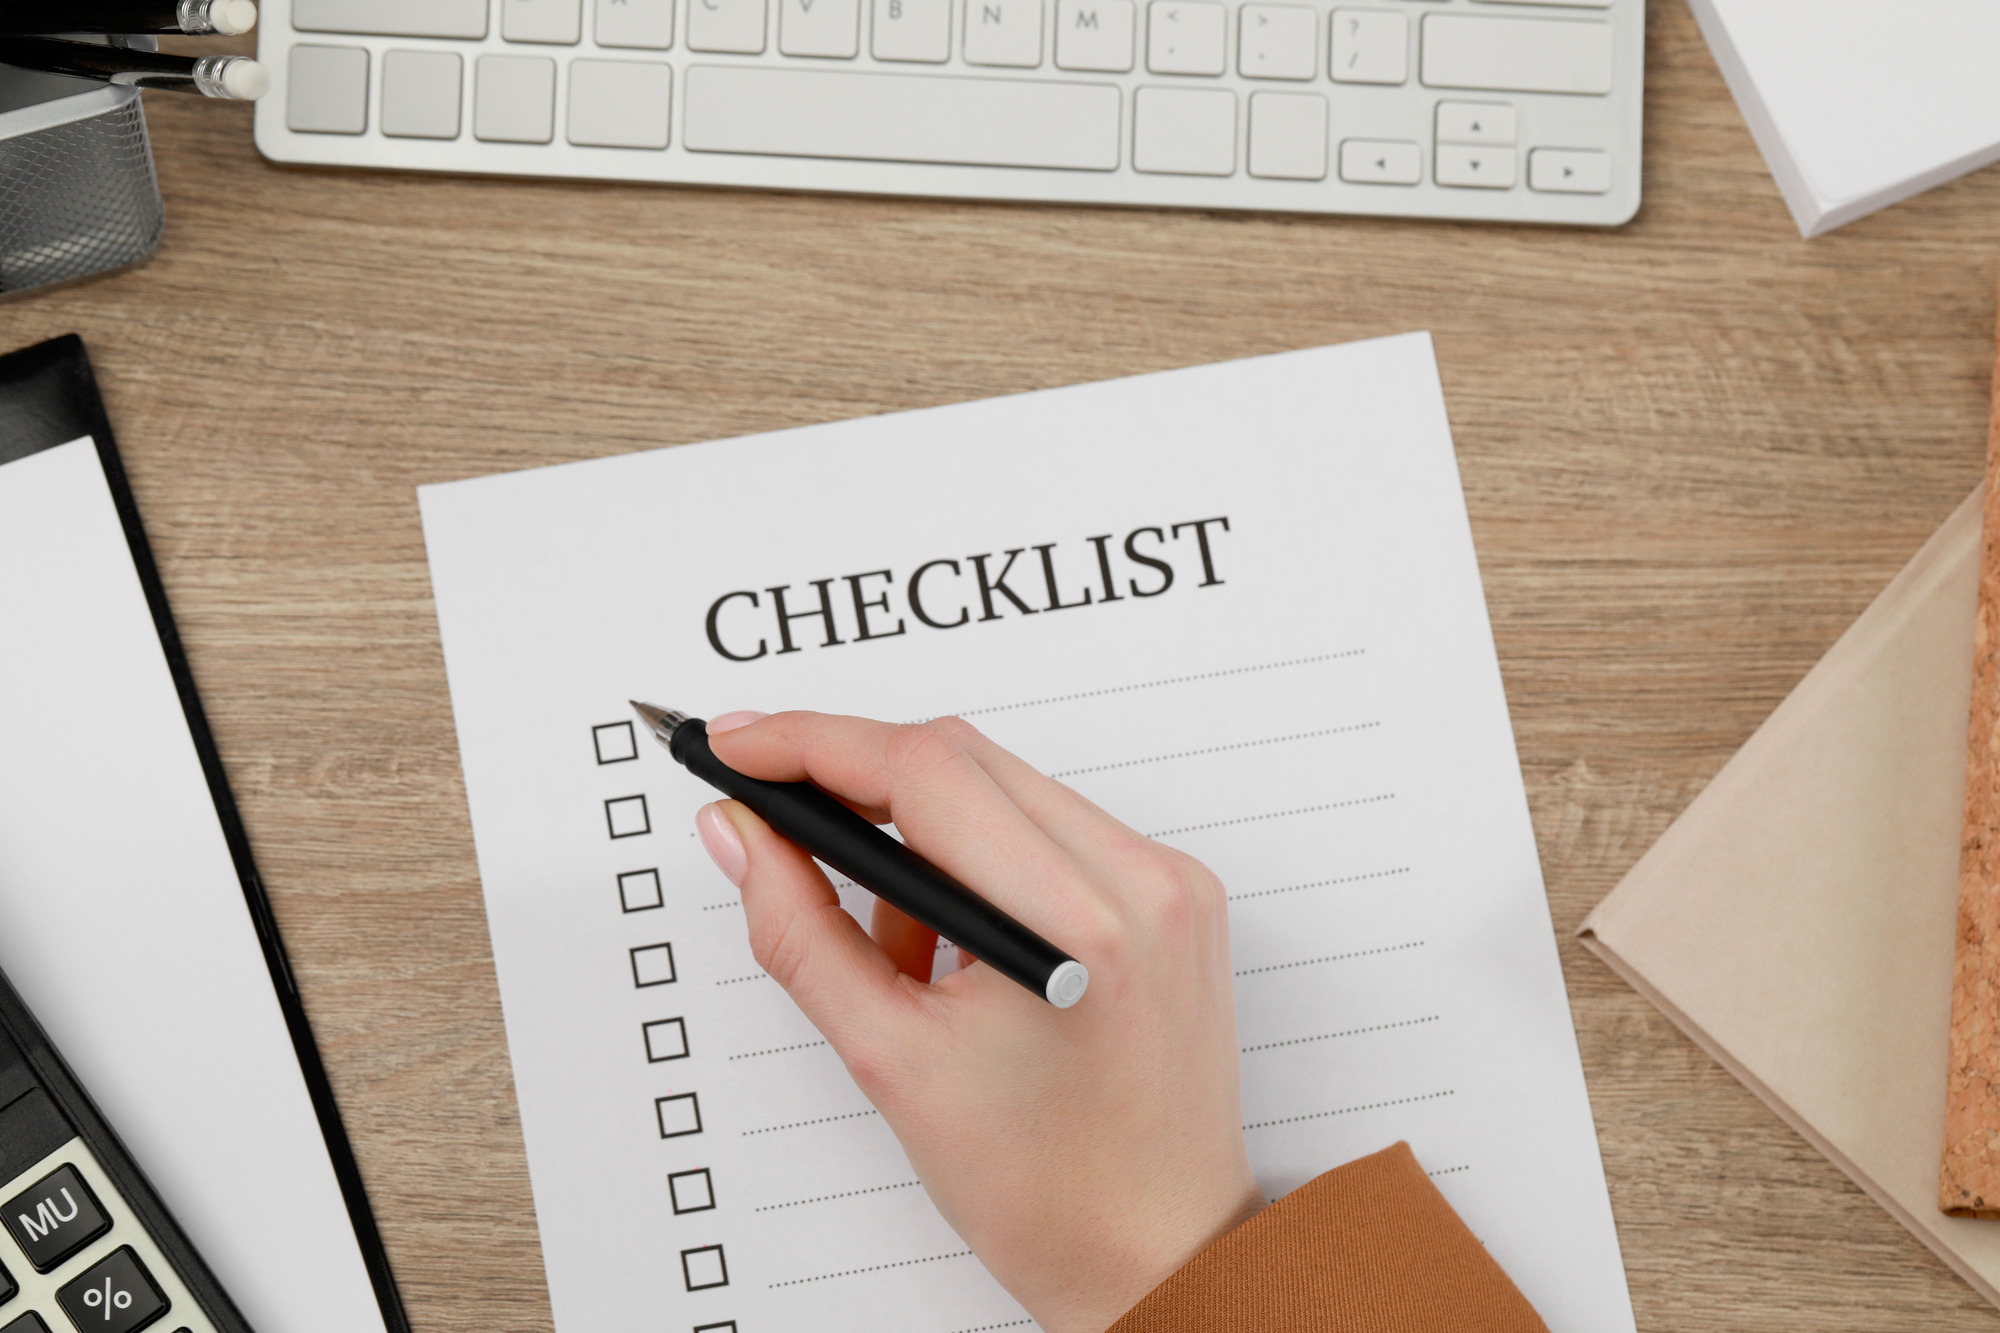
(902,117)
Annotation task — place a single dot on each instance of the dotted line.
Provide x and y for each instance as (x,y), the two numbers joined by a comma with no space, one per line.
(1277,814)
(717,907)
(1450,1170)
(1155,684)
(850,1272)
(801,1124)
(824,1198)
(777,1050)
(1331,958)
(754,976)
(1213,749)
(1330,1036)
(1320,884)
(987,1328)
(1348,1110)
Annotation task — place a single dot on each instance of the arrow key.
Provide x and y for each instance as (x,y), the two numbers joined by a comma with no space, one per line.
(1569,171)
(1475,168)
(1380,162)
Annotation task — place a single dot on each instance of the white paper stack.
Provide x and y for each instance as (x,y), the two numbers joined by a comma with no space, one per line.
(1858,105)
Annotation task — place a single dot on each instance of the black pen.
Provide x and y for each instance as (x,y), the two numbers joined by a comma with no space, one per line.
(807,816)
(225,18)
(212,76)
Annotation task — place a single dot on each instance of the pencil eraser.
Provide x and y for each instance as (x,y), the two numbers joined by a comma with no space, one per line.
(247,79)
(231,17)
(1067,984)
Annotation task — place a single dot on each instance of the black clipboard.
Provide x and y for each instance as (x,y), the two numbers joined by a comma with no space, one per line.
(48,397)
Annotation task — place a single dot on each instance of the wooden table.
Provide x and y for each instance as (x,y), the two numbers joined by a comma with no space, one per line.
(1693,448)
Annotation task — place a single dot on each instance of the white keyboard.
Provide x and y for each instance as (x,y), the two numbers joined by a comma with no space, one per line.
(1488,109)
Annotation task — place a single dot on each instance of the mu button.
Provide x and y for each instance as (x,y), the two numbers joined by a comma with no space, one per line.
(54,1218)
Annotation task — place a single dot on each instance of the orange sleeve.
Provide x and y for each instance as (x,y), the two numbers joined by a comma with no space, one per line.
(1370,1247)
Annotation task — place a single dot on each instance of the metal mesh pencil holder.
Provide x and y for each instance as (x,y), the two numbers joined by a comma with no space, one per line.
(77,191)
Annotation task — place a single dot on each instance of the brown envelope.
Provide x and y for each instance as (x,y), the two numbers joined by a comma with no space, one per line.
(1798,919)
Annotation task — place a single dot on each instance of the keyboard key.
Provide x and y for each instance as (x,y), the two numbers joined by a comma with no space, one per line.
(1380,162)
(553,22)
(1475,123)
(1094,34)
(1569,171)
(1003,32)
(54,1218)
(1516,55)
(912,30)
(736,26)
(1369,46)
(1475,168)
(642,24)
(514,99)
(420,94)
(30,1322)
(1184,131)
(9,1288)
(115,1295)
(327,90)
(1288,136)
(1187,37)
(1277,42)
(619,103)
(1575,4)
(393,18)
(797,112)
(830,29)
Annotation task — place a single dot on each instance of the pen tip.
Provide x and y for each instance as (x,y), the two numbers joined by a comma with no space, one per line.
(662,722)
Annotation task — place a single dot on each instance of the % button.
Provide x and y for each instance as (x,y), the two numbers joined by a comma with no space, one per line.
(114,1295)
(108,1300)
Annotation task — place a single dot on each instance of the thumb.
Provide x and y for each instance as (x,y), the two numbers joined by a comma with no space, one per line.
(842,980)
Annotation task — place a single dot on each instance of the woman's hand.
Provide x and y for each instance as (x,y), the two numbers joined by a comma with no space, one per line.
(1084,1154)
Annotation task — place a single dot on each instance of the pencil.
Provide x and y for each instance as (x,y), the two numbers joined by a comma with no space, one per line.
(211,76)
(225,18)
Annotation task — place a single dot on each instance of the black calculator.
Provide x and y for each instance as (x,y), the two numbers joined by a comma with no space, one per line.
(86,1246)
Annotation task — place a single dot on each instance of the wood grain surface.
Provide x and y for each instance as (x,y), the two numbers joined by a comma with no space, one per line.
(1693,448)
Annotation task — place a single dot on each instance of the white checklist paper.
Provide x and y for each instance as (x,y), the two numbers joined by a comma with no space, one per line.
(1236,605)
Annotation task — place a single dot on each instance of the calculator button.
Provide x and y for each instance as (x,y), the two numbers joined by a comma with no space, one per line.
(115,1295)
(54,1218)
(27,1323)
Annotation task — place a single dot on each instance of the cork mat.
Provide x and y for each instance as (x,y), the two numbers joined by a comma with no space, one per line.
(1969,1182)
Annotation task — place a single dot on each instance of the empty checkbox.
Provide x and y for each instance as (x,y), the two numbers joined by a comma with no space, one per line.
(652,965)
(704,1268)
(692,1191)
(666,1040)
(678,1115)
(616,742)
(639,889)
(627,816)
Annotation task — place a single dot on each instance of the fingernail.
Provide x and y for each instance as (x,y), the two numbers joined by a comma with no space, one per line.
(731,721)
(722,842)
